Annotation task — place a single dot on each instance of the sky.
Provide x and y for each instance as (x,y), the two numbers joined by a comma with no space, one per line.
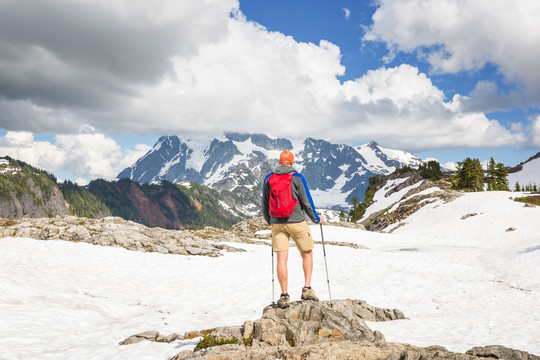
(87,87)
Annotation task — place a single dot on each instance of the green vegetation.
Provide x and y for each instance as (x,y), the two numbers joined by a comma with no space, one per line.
(211,340)
(535,199)
(496,176)
(431,170)
(82,202)
(470,175)
(403,170)
(207,210)
(248,341)
(26,179)
(528,187)
(114,195)
(358,209)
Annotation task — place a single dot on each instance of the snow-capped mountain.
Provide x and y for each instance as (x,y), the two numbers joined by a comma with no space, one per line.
(525,173)
(238,162)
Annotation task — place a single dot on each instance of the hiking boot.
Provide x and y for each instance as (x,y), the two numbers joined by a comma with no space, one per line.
(283,301)
(308,294)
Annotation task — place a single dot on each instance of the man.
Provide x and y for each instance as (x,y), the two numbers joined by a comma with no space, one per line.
(292,224)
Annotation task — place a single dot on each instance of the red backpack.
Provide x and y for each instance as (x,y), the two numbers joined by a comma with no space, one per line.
(281,202)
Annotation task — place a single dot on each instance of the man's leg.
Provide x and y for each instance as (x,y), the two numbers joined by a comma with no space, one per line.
(307,265)
(282,274)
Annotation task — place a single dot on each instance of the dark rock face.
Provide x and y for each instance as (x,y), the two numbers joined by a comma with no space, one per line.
(323,163)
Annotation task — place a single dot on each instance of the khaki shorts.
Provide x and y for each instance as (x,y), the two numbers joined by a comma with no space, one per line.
(299,232)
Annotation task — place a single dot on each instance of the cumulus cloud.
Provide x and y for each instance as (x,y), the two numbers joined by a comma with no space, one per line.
(534,131)
(88,155)
(347,13)
(88,57)
(460,35)
(262,81)
(202,67)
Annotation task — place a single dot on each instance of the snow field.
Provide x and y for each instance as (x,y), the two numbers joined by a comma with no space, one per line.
(462,283)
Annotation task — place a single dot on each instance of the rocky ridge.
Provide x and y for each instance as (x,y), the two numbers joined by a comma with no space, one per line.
(309,330)
(427,192)
(116,232)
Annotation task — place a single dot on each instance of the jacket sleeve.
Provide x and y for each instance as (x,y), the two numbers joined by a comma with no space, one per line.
(265,199)
(305,199)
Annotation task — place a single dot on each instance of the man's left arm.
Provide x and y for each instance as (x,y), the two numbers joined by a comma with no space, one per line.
(305,199)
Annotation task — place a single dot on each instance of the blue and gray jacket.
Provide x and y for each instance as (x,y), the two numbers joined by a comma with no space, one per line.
(299,191)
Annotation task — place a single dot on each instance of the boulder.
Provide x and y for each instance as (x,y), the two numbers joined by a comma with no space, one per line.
(501,352)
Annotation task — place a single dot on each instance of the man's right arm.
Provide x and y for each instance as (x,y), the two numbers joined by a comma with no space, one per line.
(265,200)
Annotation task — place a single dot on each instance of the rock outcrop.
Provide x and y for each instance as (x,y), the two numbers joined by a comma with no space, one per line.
(410,202)
(113,231)
(28,192)
(323,330)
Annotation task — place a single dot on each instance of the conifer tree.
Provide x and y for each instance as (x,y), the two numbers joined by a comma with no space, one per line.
(534,187)
(491,175)
(431,170)
(355,211)
(501,178)
(517,188)
(470,175)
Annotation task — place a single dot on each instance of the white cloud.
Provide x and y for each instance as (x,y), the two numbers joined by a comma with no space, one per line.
(347,13)
(208,72)
(534,131)
(260,81)
(85,155)
(460,35)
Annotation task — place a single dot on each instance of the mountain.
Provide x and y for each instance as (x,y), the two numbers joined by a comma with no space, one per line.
(164,204)
(239,162)
(26,191)
(525,173)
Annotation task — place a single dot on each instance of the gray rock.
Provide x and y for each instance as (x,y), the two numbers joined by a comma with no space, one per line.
(147,335)
(167,338)
(501,352)
(114,231)
(329,330)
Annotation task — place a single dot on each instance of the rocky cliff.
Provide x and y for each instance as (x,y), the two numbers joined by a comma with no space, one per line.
(28,192)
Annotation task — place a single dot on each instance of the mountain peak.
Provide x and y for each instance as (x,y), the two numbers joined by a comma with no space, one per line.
(238,162)
(373,145)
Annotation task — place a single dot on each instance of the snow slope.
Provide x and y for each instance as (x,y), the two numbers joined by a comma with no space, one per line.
(529,175)
(462,283)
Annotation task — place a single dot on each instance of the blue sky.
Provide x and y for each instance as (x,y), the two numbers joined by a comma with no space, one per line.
(87,88)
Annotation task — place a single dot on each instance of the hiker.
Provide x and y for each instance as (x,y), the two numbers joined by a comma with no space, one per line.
(286,201)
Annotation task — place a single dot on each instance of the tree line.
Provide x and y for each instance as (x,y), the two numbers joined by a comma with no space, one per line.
(470,176)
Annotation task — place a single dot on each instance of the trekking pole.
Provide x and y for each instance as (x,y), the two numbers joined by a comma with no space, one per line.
(273,302)
(325,265)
